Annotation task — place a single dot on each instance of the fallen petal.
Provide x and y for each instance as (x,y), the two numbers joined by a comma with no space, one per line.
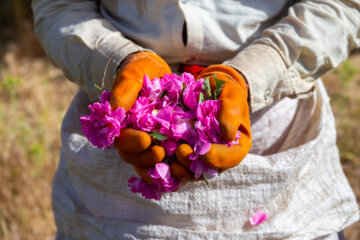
(258,218)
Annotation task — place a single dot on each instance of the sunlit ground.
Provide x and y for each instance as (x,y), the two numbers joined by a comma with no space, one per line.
(343,85)
(33,99)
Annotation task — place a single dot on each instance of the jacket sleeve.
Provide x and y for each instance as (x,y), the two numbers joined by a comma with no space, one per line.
(80,42)
(313,38)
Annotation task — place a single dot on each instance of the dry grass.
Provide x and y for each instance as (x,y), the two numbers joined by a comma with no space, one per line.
(343,86)
(33,99)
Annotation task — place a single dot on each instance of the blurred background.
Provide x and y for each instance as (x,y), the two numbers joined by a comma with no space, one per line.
(34,96)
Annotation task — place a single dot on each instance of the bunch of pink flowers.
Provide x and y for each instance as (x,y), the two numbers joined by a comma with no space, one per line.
(173,110)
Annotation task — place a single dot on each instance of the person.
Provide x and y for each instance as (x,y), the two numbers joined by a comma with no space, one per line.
(280,49)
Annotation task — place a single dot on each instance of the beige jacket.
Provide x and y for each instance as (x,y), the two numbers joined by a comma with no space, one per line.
(292,172)
(281,49)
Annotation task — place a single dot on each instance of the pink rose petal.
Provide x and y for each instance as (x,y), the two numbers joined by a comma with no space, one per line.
(105,96)
(168,105)
(191,93)
(148,191)
(162,179)
(258,218)
(102,125)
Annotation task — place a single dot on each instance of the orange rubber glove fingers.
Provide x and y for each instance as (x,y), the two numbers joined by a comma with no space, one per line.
(180,168)
(180,172)
(223,157)
(153,155)
(129,80)
(143,172)
(233,116)
(220,155)
(234,107)
(132,141)
(133,145)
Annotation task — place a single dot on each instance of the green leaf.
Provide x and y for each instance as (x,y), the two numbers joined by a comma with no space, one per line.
(207,88)
(218,82)
(183,86)
(158,136)
(98,87)
(217,93)
(201,97)
(163,93)
(219,87)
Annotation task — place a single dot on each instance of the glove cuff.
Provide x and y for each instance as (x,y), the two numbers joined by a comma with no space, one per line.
(151,56)
(227,71)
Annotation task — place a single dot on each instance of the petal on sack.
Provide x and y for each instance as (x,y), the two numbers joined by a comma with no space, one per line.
(258,218)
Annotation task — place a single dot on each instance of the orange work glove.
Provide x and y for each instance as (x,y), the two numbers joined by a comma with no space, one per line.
(134,145)
(233,116)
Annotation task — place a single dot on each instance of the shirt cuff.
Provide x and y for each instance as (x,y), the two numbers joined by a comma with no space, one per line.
(105,60)
(265,73)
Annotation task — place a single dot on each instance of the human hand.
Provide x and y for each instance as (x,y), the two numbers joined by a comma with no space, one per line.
(134,145)
(232,117)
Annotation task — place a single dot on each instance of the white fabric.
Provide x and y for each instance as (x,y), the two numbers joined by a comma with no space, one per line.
(292,173)
(280,47)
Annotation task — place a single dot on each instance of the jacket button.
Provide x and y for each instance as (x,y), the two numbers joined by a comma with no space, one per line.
(267,94)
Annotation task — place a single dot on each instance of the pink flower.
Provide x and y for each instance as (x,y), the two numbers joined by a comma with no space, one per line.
(235,141)
(155,104)
(102,125)
(170,106)
(187,78)
(105,96)
(140,115)
(147,190)
(208,131)
(207,125)
(190,96)
(258,218)
(163,118)
(170,147)
(172,85)
(183,130)
(162,179)
(151,89)
(199,168)
(175,124)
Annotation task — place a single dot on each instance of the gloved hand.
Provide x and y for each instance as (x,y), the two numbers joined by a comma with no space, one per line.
(233,116)
(134,145)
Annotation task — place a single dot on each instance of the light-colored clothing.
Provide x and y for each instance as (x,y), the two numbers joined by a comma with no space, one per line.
(280,50)
(292,172)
